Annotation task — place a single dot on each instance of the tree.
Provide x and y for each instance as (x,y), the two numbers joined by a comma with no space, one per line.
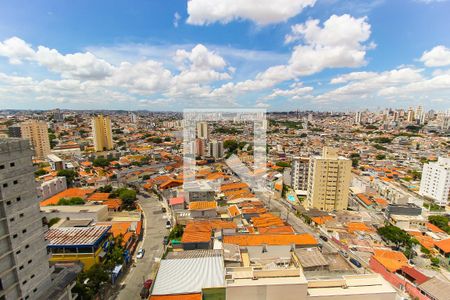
(395,235)
(53,221)
(231,146)
(380,156)
(283,164)
(435,261)
(101,162)
(105,189)
(176,232)
(128,198)
(71,201)
(69,174)
(40,172)
(441,222)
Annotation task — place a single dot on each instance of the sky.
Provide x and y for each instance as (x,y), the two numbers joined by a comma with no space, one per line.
(327,55)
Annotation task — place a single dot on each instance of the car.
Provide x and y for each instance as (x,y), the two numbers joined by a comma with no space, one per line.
(166,240)
(168,225)
(344,254)
(355,262)
(140,253)
(324,238)
(163,209)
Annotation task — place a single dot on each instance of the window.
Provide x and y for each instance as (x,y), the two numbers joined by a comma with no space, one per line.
(12,164)
(2,167)
(11,220)
(24,231)
(24,282)
(21,268)
(5,185)
(21,215)
(15,236)
(16,181)
(32,276)
(30,261)
(18,199)
(27,246)
(8,202)
(35,289)
(18,252)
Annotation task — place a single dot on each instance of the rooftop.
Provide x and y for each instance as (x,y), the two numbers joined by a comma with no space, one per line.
(75,236)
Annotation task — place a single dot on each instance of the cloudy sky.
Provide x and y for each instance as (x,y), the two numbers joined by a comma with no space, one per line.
(277,54)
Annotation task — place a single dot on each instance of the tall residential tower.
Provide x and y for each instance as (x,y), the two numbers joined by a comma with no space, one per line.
(37,133)
(102,133)
(24,267)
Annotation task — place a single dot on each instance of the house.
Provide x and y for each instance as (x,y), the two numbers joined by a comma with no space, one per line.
(203,209)
(177,203)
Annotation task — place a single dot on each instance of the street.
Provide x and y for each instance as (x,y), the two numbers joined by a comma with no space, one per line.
(154,231)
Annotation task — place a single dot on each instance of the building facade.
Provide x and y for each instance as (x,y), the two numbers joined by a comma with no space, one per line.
(37,133)
(329,179)
(24,266)
(102,133)
(299,173)
(435,182)
(202,130)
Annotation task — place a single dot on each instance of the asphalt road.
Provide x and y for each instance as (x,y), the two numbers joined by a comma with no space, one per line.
(154,231)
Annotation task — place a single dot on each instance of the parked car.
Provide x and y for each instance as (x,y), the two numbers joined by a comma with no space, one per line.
(140,253)
(166,240)
(145,291)
(324,238)
(344,254)
(355,262)
(168,225)
(163,209)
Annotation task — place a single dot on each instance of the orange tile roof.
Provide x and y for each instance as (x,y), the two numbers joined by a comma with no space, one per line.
(444,245)
(267,220)
(434,228)
(426,241)
(358,226)
(69,193)
(270,239)
(196,237)
(321,220)
(233,186)
(117,228)
(98,197)
(391,260)
(364,199)
(233,211)
(276,230)
(381,202)
(113,203)
(202,205)
(177,297)
(126,237)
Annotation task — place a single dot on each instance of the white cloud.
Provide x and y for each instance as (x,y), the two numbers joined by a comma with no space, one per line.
(176,19)
(262,12)
(16,50)
(296,91)
(439,56)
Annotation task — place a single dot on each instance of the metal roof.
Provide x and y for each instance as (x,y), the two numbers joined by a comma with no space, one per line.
(190,275)
(76,236)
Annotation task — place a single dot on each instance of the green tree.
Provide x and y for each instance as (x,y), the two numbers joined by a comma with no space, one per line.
(380,156)
(69,174)
(53,221)
(176,232)
(71,201)
(395,235)
(105,189)
(441,222)
(128,198)
(40,172)
(101,162)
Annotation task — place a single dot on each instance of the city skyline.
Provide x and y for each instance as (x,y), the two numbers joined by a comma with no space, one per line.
(316,55)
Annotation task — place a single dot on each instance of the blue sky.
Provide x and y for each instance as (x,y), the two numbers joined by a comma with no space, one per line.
(279,54)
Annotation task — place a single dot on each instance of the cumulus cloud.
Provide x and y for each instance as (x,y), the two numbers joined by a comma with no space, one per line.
(16,50)
(176,19)
(295,92)
(439,56)
(262,12)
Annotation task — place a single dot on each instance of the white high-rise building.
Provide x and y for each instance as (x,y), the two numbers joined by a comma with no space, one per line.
(435,182)
(24,265)
(216,149)
(299,173)
(358,117)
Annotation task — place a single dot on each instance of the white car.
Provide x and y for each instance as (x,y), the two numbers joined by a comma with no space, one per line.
(140,253)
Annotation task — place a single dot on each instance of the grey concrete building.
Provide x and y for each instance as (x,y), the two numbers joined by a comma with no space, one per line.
(24,267)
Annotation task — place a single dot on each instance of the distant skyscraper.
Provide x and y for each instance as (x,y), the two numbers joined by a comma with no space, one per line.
(24,267)
(358,117)
(202,130)
(216,149)
(133,118)
(329,178)
(102,133)
(37,133)
(410,117)
(435,182)
(58,116)
(299,173)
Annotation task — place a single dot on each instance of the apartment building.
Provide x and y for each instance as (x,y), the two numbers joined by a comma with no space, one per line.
(37,133)
(435,182)
(216,149)
(329,179)
(299,173)
(202,130)
(24,266)
(102,133)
